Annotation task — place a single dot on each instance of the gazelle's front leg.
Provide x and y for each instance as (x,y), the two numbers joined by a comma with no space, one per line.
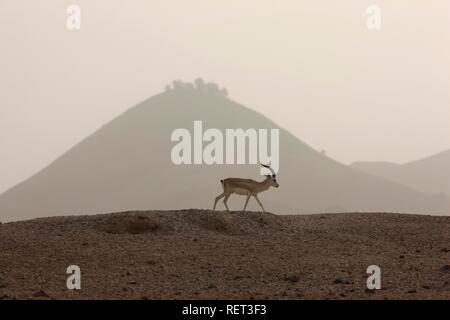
(225,201)
(246,201)
(256,197)
(217,199)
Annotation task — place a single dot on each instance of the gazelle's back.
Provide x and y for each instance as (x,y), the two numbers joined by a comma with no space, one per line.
(239,180)
(238,185)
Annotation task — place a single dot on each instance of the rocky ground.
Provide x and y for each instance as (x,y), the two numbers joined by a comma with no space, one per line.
(199,254)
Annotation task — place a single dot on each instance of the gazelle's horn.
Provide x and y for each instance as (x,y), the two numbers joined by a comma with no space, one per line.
(271,170)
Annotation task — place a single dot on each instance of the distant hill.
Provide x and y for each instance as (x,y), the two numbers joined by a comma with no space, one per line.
(126,165)
(431,174)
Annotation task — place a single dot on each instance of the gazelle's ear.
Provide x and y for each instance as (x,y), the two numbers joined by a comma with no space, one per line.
(268,175)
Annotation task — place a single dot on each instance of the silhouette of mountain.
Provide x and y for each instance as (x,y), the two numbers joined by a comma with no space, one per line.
(126,165)
(431,174)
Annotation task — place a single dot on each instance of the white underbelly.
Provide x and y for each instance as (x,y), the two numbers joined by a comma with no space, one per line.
(240,191)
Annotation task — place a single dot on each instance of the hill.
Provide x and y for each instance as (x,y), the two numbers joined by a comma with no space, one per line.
(126,165)
(431,174)
(199,254)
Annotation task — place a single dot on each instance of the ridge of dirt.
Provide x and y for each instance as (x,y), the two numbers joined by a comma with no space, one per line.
(203,254)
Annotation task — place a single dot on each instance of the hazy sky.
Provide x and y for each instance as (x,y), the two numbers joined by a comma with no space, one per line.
(311,66)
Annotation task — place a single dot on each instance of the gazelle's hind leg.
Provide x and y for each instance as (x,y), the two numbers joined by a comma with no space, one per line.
(217,199)
(246,201)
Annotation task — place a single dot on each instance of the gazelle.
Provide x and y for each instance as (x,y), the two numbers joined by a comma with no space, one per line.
(246,187)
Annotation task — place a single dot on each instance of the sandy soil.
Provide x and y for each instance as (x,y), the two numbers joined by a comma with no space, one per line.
(199,254)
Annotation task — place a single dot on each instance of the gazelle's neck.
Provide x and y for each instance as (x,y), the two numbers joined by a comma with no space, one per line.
(264,185)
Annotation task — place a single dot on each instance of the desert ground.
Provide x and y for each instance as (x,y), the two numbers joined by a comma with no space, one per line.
(201,254)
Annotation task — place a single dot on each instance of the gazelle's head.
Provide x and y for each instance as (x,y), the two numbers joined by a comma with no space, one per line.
(272,178)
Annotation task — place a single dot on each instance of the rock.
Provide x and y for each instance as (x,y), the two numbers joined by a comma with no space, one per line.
(446,268)
(293,278)
(341,281)
(128,225)
(3,283)
(41,294)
